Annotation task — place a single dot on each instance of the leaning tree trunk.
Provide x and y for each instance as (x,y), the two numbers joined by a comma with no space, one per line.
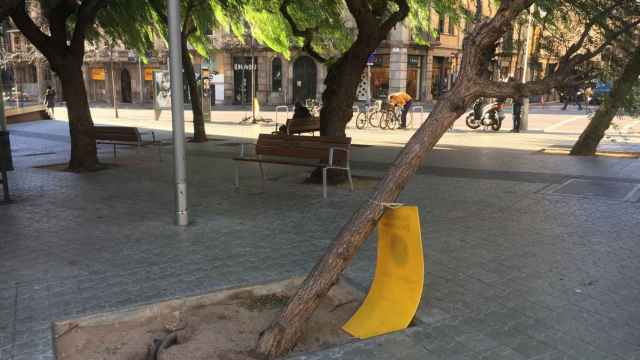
(199,132)
(83,137)
(283,333)
(590,138)
(479,47)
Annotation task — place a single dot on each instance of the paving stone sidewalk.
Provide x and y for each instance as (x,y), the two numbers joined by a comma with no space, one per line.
(515,267)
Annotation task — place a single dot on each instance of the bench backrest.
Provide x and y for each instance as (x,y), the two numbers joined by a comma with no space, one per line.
(304,147)
(310,124)
(117,133)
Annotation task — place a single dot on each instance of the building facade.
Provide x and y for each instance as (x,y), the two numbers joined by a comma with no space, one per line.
(113,72)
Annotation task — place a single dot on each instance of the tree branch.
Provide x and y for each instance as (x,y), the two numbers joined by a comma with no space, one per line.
(396,17)
(29,29)
(587,30)
(306,34)
(87,13)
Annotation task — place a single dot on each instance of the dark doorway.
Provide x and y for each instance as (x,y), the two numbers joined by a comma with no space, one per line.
(242,79)
(125,86)
(305,75)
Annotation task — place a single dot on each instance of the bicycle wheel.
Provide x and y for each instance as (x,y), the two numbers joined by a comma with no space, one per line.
(384,121)
(361,120)
(394,121)
(374,118)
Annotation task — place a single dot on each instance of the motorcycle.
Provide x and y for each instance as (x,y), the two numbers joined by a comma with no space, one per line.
(489,115)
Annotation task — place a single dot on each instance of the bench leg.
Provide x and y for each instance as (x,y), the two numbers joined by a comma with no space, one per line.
(262,176)
(324,183)
(5,187)
(350,179)
(237,175)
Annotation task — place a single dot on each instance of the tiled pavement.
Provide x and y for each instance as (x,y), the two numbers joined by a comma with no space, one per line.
(512,270)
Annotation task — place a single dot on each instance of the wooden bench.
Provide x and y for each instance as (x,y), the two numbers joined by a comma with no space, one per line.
(122,135)
(306,125)
(310,151)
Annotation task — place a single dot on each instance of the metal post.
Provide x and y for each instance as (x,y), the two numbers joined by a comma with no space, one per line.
(369,86)
(141,80)
(177,112)
(524,121)
(113,86)
(253,84)
(3,128)
(3,119)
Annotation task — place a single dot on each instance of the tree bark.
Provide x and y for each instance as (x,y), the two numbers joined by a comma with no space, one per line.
(343,78)
(281,336)
(81,129)
(590,138)
(199,132)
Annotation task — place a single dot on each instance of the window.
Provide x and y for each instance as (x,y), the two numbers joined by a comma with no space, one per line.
(276,75)
(452,27)
(440,23)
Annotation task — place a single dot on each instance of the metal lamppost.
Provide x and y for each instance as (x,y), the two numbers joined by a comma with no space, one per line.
(177,112)
(113,84)
(253,84)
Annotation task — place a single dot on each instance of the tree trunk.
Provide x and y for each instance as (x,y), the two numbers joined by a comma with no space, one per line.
(199,132)
(283,333)
(83,138)
(343,78)
(590,138)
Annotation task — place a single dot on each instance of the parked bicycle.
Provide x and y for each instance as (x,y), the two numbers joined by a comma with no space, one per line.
(370,116)
(390,118)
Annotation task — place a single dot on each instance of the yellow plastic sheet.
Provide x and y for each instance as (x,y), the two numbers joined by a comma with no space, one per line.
(396,290)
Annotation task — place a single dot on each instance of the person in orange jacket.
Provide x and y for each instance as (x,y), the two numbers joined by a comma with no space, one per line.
(402,99)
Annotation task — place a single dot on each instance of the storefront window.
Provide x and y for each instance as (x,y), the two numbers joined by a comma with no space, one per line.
(380,77)
(276,75)
(439,80)
(414,75)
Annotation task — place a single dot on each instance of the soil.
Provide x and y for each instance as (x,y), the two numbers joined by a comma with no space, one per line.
(225,329)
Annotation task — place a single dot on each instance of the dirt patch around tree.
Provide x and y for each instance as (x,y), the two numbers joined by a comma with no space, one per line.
(220,326)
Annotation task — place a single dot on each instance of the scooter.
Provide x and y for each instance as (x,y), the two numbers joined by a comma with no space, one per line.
(489,115)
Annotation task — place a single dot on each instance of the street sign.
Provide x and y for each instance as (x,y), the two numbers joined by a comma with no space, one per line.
(371,59)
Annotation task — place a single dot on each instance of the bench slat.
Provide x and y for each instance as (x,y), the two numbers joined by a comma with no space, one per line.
(302,147)
(117,134)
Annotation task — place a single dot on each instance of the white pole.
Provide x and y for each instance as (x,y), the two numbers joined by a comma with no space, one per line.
(253,85)
(524,121)
(3,119)
(141,80)
(113,86)
(177,112)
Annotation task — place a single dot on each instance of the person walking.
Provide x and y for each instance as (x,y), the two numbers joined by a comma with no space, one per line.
(572,94)
(588,95)
(517,114)
(50,100)
(404,100)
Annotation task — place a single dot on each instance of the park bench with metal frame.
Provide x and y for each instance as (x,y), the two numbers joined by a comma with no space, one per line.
(310,151)
(297,126)
(122,135)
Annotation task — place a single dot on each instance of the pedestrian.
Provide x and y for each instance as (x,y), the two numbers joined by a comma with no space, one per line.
(299,112)
(50,100)
(588,96)
(571,93)
(517,113)
(404,100)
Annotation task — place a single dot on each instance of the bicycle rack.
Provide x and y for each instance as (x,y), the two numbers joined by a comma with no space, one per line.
(414,110)
(279,109)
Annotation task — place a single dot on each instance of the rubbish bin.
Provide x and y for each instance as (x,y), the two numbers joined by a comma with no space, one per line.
(6,164)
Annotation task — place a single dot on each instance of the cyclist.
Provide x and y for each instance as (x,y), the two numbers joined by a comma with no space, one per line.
(404,100)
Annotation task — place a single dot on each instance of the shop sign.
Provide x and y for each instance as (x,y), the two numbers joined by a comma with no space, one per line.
(98,74)
(148,74)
